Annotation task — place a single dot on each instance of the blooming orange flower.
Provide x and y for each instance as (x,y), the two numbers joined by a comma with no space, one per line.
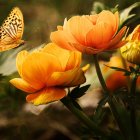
(46,72)
(90,34)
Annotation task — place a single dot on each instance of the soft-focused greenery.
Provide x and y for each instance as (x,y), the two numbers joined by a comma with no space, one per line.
(17,121)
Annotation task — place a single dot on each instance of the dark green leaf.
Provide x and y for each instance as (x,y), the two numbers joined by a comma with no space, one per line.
(76,104)
(132,69)
(79,91)
(127,73)
(125,14)
(102,102)
(97,7)
(99,115)
(118,69)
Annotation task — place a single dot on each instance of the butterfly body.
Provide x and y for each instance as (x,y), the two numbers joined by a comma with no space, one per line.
(11,30)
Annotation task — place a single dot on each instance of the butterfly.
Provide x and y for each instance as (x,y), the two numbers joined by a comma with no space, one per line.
(11,30)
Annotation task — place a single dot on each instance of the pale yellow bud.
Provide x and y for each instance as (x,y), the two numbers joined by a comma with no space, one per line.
(131,50)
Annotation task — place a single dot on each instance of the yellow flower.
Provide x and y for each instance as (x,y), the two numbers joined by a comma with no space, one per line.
(90,34)
(131,50)
(46,72)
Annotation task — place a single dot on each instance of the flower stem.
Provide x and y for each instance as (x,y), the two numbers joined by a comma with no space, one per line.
(99,74)
(82,116)
(110,102)
(132,107)
(125,67)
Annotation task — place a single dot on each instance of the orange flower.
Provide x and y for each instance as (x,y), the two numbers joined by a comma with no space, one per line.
(114,79)
(46,72)
(90,34)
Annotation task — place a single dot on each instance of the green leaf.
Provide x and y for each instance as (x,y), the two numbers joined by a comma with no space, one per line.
(132,69)
(76,104)
(117,69)
(102,102)
(125,14)
(79,92)
(99,115)
(123,115)
(127,73)
(97,7)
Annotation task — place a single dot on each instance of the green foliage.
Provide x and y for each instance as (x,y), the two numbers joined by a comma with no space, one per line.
(126,72)
(125,15)
(79,91)
(129,72)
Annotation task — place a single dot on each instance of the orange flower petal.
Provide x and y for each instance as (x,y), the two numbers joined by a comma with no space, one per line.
(135,35)
(93,18)
(38,67)
(78,47)
(85,68)
(67,30)
(61,54)
(59,27)
(46,95)
(67,79)
(68,59)
(117,21)
(90,50)
(117,38)
(22,85)
(62,39)
(20,59)
(79,27)
(110,18)
(86,49)
(74,60)
(101,33)
(119,45)
(116,80)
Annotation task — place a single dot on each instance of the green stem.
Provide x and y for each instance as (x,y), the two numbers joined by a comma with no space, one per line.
(125,67)
(110,102)
(133,111)
(133,83)
(82,116)
(99,73)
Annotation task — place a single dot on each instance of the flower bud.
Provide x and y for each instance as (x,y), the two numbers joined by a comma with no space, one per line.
(131,50)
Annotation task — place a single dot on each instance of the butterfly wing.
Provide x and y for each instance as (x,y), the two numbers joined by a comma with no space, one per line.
(11,30)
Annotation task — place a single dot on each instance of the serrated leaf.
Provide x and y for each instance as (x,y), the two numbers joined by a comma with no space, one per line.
(79,92)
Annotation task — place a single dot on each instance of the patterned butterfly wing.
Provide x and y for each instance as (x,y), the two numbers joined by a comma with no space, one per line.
(11,30)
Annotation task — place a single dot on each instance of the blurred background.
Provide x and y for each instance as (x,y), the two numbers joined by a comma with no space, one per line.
(22,121)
